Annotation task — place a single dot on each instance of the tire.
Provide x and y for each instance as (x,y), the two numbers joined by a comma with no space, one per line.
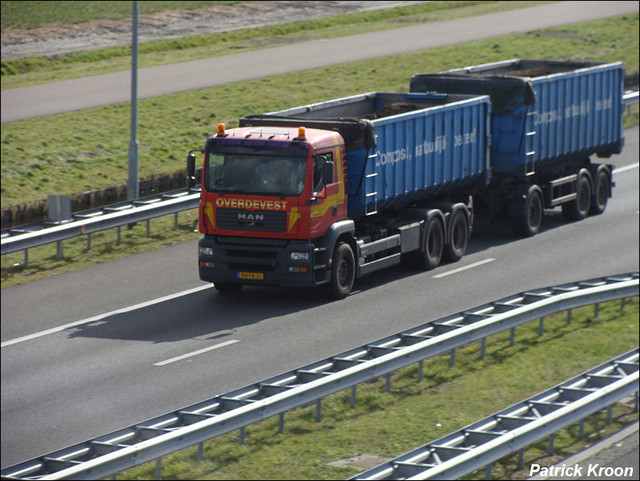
(529,221)
(601,192)
(432,248)
(458,237)
(343,272)
(578,209)
(227,287)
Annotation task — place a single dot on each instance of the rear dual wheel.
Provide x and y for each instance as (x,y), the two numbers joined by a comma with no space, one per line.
(578,208)
(432,248)
(528,222)
(601,192)
(458,236)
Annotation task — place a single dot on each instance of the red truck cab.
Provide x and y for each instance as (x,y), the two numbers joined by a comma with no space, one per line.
(268,194)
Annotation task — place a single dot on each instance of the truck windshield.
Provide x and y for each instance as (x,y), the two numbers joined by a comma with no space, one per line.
(255,173)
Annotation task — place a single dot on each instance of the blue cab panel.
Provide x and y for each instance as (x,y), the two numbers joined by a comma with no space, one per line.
(401,147)
(544,112)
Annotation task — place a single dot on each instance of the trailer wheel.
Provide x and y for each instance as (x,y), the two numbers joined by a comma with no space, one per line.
(458,237)
(343,272)
(227,287)
(528,223)
(578,209)
(432,244)
(600,193)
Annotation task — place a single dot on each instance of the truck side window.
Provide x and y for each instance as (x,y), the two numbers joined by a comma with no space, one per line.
(318,161)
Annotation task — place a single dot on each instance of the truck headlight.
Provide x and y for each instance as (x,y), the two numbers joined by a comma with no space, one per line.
(205,251)
(299,256)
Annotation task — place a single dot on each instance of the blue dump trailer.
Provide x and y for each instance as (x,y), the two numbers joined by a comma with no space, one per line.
(548,118)
(332,191)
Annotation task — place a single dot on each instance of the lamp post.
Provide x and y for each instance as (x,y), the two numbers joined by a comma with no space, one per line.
(133,189)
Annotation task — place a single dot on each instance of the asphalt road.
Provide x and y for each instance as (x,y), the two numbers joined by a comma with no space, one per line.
(114,329)
(86,353)
(67,96)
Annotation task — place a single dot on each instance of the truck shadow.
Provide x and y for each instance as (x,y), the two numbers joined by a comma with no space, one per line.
(210,315)
(204,315)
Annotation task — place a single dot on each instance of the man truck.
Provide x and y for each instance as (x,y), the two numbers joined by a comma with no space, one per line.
(326,193)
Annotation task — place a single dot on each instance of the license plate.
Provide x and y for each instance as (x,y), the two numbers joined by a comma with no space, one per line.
(254,276)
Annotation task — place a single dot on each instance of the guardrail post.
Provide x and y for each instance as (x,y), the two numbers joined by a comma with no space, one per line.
(242,437)
(159,468)
(319,410)
(118,243)
(89,241)
(353,395)
(609,415)
(26,258)
(387,382)
(421,371)
(148,226)
(541,326)
(568,317)
(280,423)
(596,310)
(487,471)
(201,451)
(482,347)
(59,250)
(175,221)
(452,358)
(550,449)
(512,337)
(521,459)
(622,302)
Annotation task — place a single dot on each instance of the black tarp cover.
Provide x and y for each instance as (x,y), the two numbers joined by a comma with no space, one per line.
(505,92)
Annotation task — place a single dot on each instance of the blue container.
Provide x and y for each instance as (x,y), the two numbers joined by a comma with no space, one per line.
(544,112)
(403,148)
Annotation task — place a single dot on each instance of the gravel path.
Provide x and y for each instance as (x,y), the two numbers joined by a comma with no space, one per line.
(174,24)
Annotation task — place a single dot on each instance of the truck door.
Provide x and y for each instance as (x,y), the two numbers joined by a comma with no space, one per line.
(328,189)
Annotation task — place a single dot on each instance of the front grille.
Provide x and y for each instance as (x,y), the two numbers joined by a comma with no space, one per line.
(247,220)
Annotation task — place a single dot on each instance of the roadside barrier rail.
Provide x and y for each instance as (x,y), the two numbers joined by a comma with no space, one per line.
(125,213)
(513,428)
(152,439)
(96,220)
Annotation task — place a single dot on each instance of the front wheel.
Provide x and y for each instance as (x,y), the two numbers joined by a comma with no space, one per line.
(343,273)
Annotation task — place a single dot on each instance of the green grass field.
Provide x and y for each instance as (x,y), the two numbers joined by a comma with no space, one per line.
(414,413)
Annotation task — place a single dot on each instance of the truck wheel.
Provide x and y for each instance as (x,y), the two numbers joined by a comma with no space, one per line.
(528,223)
(343,272)
(432,244)
(600,193)
(227,287)
(578,209)
(458,237)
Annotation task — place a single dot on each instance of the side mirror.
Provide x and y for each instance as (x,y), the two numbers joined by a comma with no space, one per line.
(327,172)
(191,171)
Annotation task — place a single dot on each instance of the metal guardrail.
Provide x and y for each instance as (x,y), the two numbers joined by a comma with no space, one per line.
(95,220)
(118,215)
(513,428)
(152,439)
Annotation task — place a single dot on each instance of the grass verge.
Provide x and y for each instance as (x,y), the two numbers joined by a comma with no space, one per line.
(413,413)
(81,151)
(36,70)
